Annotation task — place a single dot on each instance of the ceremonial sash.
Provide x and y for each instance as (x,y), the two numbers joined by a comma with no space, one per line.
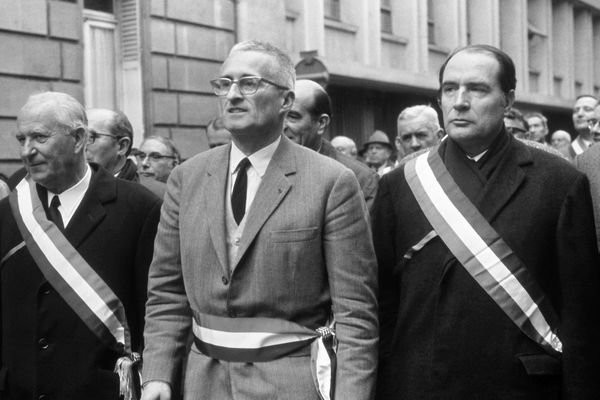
(481,251)
(73,278)
(267,339)
(576,148)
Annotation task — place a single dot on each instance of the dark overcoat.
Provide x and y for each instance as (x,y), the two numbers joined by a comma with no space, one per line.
(46,350)
(443,337)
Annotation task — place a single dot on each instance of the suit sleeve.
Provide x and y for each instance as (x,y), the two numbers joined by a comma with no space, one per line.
(168,315)
(579,269)
(352,274)
(143,258)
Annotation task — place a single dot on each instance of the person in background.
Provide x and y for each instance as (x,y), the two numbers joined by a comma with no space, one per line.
(515,124)
(345,145)
(378,152)
(157,156)
(307,122)
(418,129)
(216,132)
(538,127)
(583,110)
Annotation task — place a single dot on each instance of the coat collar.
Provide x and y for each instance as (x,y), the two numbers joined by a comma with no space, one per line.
(102,189)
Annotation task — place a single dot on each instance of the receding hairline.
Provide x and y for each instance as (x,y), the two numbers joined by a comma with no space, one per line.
(413,112)
(60,105)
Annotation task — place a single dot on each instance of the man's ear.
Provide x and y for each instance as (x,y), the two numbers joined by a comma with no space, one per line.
(124,143)
(440,133)
(288,100)
(80,135)
(510,99)
(322,122)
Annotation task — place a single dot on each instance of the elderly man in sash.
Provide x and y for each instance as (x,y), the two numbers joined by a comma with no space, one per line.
(481,295)
(75,247)
(263,247)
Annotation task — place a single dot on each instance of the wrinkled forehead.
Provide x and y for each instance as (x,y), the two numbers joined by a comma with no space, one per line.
(42,117)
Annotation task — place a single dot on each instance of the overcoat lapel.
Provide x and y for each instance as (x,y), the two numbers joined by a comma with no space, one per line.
(505,181)
(91,211)
(272,190)
(215,195)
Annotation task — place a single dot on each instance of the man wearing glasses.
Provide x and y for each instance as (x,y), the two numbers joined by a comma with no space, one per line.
(157,157)
(75,247)
(261,243)
(109,144)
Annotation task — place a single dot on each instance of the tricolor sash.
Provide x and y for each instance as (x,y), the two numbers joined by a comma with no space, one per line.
(481,251)
(267,339)
(575,148)
(74,279)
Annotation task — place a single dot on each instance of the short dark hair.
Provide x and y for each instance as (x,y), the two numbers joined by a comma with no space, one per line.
(121,127)
(515,114)
(321,103)
(506,76)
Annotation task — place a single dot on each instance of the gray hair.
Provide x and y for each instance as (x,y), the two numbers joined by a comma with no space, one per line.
(66,109)
(284,68)
(416,111)
(167,142)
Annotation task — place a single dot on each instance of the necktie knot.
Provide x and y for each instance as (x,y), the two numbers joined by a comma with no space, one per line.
(55,202)
(238,196)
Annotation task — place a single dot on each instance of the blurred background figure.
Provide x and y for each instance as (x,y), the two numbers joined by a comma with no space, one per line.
(418,129)
(538,127)
(561,140)
(345,145)
(216,132)
(156,157)
(516,124)
(378,153)
(583,111)
(4,189)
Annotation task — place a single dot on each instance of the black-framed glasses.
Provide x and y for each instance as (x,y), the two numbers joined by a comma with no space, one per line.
(95,135)
(154,156)
(247,85)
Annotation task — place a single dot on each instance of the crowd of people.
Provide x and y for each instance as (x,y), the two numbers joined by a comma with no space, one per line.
(282,265)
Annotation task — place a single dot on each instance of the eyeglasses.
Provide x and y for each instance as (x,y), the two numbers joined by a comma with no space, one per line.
(154,156)
(593,123)
(95,135)
(247,85)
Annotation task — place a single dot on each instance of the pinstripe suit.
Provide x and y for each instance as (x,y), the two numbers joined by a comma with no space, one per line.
(306,250)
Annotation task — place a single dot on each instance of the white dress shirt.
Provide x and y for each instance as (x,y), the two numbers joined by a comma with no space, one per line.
(71,198)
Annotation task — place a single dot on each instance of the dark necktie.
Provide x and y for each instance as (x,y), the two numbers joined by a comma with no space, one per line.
(54,214)
(238,196)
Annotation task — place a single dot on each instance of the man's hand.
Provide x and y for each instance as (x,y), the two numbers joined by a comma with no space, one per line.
(156,390)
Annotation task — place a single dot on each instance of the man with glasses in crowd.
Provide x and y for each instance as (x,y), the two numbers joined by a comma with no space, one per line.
(109,145)
(156,157)
(75,246)
(261,242)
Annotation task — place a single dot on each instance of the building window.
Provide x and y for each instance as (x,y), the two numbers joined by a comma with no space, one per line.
(106,6)
(386,16)
(332,9)
(430,23)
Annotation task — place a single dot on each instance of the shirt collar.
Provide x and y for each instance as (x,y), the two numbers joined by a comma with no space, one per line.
(70,197)
(259,160)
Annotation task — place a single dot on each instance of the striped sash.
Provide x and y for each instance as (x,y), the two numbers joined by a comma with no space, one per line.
(267,339)
(481,251)
(69,274)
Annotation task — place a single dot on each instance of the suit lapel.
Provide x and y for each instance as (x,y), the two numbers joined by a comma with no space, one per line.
(505,181)
(91,211)
(273,188)
(214,202)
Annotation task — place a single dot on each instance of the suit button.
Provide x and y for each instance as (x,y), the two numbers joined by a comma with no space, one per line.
(46,292)
(224,280)
(43,342)
(43,397)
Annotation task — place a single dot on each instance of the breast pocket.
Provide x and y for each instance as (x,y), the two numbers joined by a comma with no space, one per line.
(295,235)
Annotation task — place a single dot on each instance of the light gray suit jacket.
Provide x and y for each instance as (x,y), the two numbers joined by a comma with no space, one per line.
(306,251)
(588,162)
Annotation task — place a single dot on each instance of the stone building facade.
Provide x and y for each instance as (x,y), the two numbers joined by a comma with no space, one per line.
(153,58)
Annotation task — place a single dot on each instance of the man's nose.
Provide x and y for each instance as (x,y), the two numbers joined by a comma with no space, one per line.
(234,92)
(27,149)
(414,143)
(461,101)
